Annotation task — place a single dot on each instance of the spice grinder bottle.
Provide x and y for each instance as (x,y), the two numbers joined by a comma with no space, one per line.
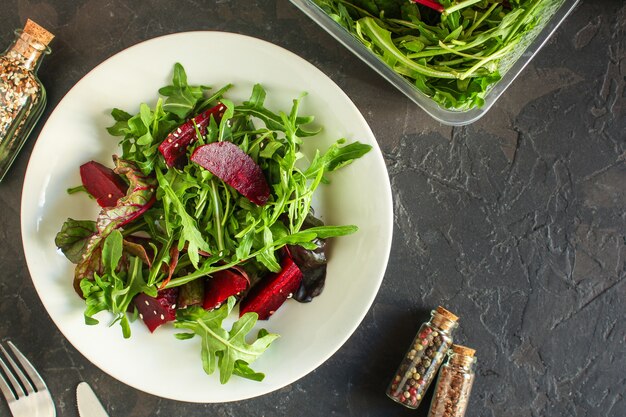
(454,383)
(421,362)
(22,96)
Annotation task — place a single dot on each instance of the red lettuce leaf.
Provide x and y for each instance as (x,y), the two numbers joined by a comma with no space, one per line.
(139,197)
(74,237)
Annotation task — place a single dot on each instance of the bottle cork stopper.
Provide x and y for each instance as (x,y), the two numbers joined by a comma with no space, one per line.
(445,313)
(37,32)
(463,350)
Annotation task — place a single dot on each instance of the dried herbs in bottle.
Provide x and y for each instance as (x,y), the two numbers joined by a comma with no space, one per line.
(454,383)
(22,96)
(421,362)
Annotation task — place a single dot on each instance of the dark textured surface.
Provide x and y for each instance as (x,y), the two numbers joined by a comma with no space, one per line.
(517,222)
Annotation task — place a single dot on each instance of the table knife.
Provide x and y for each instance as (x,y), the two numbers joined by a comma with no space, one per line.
(88,403)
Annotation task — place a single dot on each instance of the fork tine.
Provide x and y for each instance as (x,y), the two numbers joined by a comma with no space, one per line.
(12,389)
(17,371)
(30,370)
(4,386)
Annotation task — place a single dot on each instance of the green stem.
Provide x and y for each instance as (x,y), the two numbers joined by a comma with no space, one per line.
(521,20)
(217,207)
(138,225)
(175,282)
(459,6)
(481,20)
(470,72)
(382,39)
(457,52)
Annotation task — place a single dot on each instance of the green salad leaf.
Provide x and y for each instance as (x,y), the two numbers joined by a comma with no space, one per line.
(74,238)
(226,350)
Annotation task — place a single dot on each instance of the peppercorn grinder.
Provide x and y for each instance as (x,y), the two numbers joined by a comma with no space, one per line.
(423,359)
(22,95)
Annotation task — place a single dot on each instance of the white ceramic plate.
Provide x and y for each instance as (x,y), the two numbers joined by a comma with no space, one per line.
(359,194)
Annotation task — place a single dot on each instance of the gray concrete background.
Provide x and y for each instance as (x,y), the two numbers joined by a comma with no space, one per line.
(516,222)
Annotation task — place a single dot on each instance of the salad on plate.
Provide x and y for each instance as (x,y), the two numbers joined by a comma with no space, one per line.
(208,207)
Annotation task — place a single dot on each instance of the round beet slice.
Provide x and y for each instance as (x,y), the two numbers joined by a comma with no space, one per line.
(228,162)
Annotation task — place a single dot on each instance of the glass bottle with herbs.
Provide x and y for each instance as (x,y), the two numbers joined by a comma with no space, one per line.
(22,96)
(454,383)
(423,359)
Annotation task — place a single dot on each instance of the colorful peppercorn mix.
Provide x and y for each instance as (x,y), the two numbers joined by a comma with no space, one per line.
(22,96)
(420,364)
(454,384)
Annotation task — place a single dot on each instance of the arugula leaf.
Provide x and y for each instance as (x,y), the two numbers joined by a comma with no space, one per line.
(189,232)
(181,97)
(227,351)
(115,289)
(336,157)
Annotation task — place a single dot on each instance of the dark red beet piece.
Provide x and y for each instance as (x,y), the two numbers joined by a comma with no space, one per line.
(271,292)
(174,147)
(102,183)
(222,285)
(235,167)
(156,311)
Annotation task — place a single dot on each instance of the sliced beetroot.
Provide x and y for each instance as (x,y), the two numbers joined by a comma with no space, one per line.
(223,284)
(157,311)
(174,147)
(102,183)
(235,167)
(271,292)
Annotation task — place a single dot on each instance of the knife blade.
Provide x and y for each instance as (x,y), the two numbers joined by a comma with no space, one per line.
(88,403)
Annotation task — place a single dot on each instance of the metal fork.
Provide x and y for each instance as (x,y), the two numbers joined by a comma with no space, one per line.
(28,397)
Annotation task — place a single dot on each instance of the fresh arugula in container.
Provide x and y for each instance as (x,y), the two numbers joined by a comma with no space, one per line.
(453,52)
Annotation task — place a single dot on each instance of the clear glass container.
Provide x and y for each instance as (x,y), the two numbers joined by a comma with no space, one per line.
(515,62)
(22,96)
(422,360)
(454,383)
